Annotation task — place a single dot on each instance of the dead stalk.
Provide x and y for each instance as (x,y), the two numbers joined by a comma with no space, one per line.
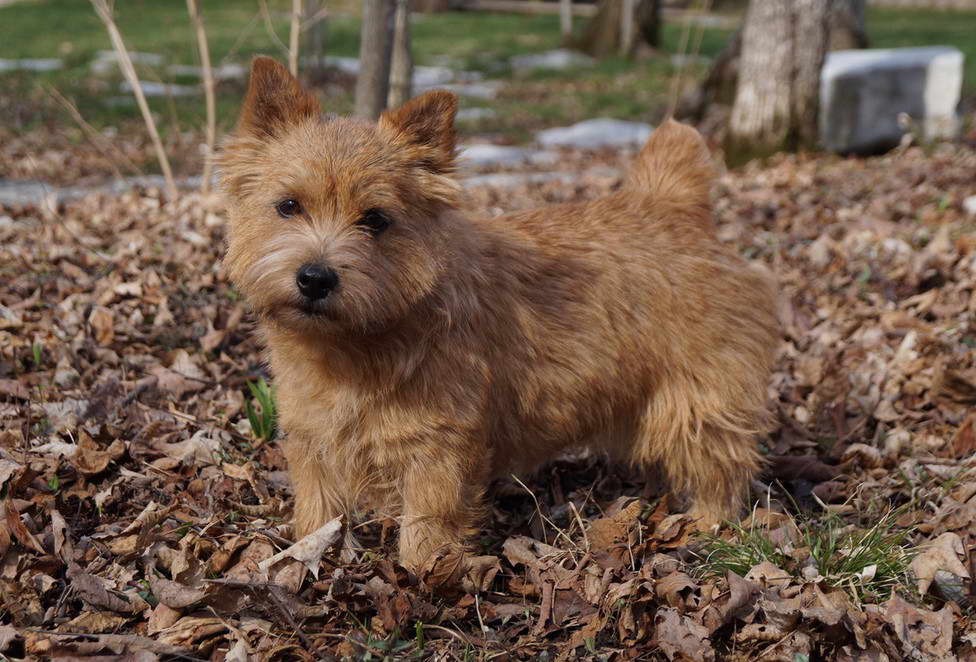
(296,29)
(129,71)
(545,520)
(315,22)
(208,89)
(102,145)
(269,26)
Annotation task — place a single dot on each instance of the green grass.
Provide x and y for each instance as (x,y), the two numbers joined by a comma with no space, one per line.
(480,41)
(868,562)
(476,41)
(262,410)
(896,28)
(69,29)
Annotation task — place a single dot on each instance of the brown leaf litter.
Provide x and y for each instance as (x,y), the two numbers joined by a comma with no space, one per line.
(143,520)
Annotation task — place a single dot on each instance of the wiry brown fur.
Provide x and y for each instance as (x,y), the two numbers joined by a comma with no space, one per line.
(459,349)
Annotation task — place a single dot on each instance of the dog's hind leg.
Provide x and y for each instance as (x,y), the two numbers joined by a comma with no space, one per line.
(710,463)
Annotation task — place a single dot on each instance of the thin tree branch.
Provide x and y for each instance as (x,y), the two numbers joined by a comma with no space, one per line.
(269,26)
(105,14)
(208,89)
(103,145)
(296,29)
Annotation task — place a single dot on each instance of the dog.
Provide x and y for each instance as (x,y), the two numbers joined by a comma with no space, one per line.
(419,353)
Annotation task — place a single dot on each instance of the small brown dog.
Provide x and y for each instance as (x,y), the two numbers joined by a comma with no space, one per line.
(419,353)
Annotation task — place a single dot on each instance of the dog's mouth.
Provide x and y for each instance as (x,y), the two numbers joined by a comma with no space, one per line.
(304,311)
(318,309)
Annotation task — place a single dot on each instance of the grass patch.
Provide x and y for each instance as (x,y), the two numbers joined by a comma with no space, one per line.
(262,409)
(869,563)
(477,41)
(898,28)
(480,41)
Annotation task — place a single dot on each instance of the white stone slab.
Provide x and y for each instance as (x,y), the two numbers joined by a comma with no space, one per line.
(596,133)
(154,89)
(486,156)
(969,205)
(229,71)
(31,64)
(863,92)
(558,60)
(107,61)
(515,179)
(476,114)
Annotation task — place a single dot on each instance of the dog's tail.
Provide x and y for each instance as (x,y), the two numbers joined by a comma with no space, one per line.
(674,165)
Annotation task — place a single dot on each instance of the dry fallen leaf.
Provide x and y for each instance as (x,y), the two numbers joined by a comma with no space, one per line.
(95,622)
(17,529)
(480,572)
(943,553)
(309,549)
(924,634)
(8,635)
(103,324)
(964,441)
(97,593)
(680,637)
(767,574)
(607,531)
(175,595)
(90,459)
(868,456)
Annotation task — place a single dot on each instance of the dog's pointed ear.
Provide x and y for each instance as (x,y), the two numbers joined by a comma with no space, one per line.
(426,122)
(275,100)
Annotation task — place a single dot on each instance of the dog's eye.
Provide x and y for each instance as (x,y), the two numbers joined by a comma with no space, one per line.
(375,221)
(288,208)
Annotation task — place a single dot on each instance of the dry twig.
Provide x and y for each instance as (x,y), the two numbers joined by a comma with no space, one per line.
(296,29)
(208,89)
(102,145)
(128,70)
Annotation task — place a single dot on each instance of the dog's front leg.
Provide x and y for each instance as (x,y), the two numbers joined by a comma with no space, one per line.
(318,495)
(442,500)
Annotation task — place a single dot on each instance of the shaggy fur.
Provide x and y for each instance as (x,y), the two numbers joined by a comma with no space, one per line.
(456,349)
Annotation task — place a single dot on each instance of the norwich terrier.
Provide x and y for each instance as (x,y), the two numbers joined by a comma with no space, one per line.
(419,353)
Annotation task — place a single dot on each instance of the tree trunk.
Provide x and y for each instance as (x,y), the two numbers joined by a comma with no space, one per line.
(566,19)
(401,69)
(783,47)
(432,5)
(605,33)
(718,88)
(375,48)
(847,25)
(649,22)
(717,92)
(315,15)
(627,36)
(810,48)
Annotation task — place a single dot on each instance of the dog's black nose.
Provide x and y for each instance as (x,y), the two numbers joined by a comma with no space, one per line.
(315,281)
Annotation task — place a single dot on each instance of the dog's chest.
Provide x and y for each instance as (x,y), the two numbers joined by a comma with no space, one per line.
(346,421)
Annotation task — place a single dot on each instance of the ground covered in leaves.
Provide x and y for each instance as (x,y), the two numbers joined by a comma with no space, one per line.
(144,518)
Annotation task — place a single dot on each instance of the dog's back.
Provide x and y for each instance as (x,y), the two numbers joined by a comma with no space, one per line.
(630,327)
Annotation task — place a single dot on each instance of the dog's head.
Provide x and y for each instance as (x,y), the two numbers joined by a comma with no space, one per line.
(336,224)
